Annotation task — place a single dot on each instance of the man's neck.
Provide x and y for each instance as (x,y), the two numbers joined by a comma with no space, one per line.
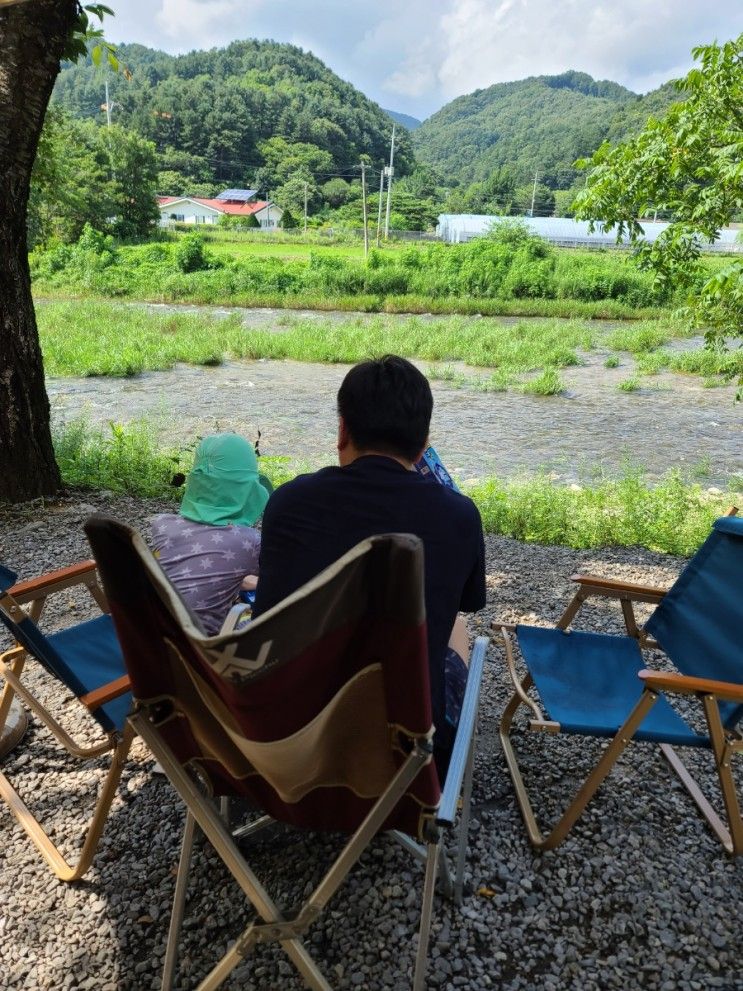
(350,454)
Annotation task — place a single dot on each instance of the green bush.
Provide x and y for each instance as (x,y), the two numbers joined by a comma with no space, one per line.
(508,272)
(190,253)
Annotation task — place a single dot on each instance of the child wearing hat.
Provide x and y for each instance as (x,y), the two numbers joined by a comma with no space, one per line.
(209,550)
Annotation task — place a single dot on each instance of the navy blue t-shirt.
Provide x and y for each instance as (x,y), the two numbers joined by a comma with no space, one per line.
(313,520)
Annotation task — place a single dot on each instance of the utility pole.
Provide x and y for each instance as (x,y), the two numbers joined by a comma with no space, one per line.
(363,200)
(305,209)
(390,174)
(534,193)
(108,106)
(381,199)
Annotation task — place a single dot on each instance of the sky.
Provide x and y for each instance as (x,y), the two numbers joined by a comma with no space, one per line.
(416,55)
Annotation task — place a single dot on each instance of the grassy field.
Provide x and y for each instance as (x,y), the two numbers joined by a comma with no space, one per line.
(520,276)
(239,246)
(91,338)
(673,516)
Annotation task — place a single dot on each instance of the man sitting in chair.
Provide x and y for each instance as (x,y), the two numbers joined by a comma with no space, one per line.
(384,413)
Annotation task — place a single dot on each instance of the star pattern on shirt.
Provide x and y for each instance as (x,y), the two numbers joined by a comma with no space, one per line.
(197,548)
(217,538)
(230,555)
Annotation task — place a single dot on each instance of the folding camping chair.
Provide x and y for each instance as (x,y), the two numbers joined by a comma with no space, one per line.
(594,684)
(319,712)
(86,659)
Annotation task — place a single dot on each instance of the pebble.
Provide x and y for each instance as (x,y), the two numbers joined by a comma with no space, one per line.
(639,895)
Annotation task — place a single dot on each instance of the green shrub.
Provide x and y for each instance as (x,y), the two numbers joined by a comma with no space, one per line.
(549,383)
(190,253)
(630,385)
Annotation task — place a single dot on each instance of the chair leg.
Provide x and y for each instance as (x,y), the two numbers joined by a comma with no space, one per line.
(429,886)
(50,853)
(723,752)
(15,684)
(15,664)
(179,903)
(715,823)
(588,788)
(464,823)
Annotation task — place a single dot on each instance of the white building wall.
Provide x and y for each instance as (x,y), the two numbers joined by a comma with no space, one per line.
(269,217)
(187,212)
(458,227)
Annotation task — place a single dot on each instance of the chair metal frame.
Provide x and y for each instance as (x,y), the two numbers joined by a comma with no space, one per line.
(200,705)
(201,812)
(27,599)
(725,743)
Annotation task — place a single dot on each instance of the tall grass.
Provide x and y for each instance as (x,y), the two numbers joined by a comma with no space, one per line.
(95,338)
(90,339)
(105,339)
(646,336)
(130,458)
(673,516)
(549,383)
(484,276)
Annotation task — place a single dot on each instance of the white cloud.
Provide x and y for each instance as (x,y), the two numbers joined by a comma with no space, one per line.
(633,42)
(202,23)
(415,56)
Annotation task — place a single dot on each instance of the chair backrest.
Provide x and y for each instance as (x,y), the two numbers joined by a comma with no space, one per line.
(309,710)
(699,623)
(23,629)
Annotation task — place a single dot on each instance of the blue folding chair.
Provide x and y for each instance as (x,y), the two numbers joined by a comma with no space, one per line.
(87,660)
(594,684)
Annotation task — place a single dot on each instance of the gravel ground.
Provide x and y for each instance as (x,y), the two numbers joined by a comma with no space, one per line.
(640,896)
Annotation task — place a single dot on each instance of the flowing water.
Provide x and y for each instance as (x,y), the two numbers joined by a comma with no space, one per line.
(673,421)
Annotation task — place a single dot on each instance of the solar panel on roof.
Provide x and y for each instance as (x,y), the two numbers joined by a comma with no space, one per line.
(237,195)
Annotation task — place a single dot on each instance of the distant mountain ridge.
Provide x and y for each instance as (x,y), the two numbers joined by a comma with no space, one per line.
(211,113)
(540,124)
(269,114)
(412,123)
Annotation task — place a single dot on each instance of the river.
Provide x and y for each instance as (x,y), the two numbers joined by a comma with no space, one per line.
(673,421)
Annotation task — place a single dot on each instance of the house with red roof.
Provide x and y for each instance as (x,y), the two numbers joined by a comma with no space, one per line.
(231,203)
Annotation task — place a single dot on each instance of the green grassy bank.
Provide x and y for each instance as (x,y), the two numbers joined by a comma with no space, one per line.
(93,338)
(510,272)
(672,516)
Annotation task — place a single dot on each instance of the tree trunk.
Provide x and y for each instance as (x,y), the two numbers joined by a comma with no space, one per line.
(32,39)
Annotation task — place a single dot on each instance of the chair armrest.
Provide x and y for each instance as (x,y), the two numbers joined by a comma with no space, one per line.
(671,681)
(106,693)
(465,730)
(233,617)
(54,581)
(618,589)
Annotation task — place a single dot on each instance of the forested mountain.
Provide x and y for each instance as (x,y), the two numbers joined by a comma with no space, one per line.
(255,113)
(274,118)
(542,123)
(412,123)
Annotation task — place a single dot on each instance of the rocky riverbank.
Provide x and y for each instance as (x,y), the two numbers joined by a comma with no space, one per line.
(640,896)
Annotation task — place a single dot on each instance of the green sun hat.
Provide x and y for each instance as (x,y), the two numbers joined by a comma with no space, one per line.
(224,486)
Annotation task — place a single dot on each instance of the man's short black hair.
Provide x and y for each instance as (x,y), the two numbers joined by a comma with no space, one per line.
(386,404)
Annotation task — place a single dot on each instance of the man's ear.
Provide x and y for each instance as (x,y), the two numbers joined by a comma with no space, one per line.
(420,453)
(344,438)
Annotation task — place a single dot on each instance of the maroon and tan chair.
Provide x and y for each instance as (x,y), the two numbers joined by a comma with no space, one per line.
(318,712)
